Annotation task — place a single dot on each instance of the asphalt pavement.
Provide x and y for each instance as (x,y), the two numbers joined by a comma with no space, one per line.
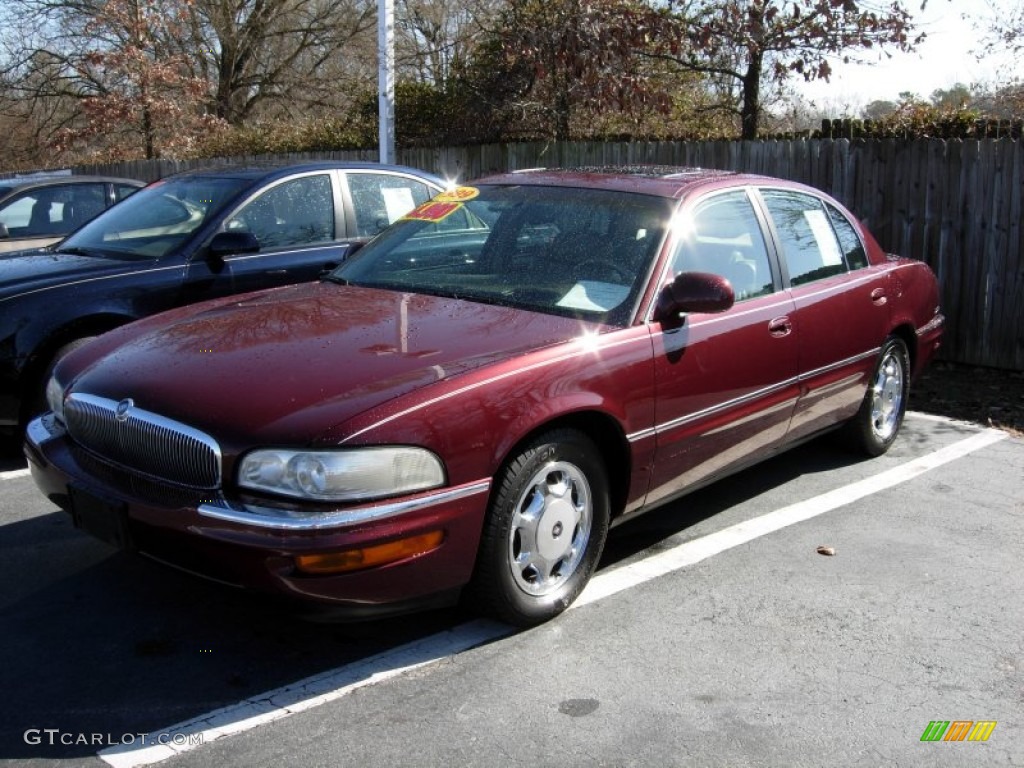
(715,634)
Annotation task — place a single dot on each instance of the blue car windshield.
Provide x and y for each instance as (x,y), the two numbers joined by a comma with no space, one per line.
(152,222)
(583,253)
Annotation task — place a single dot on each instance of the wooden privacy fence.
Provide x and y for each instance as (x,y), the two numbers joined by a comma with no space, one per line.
(956,204)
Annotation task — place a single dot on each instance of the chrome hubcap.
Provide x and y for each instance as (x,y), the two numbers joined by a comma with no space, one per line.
(887,397)
(550,528)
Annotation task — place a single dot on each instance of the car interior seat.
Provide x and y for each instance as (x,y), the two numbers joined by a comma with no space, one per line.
(39,220)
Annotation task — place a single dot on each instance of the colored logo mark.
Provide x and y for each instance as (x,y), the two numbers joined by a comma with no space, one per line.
(958,730)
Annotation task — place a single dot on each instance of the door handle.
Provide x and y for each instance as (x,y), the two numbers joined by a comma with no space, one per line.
(878,297)
(779,327)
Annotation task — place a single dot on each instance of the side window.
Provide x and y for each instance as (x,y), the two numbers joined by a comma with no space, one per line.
(853,248)
(86,201)
(54,210)
(296,212)
(121,191)
(809,245)
(16,213)
(381,199)
(724,237)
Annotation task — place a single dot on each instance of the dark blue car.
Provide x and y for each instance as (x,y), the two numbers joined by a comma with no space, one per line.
(186,238)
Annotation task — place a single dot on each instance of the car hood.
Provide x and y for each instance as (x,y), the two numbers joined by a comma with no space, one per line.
(289,364)
(24,271)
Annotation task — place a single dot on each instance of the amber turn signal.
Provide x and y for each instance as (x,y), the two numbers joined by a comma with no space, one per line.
(368,557)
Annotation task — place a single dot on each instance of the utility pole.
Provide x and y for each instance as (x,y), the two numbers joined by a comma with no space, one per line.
(386,78)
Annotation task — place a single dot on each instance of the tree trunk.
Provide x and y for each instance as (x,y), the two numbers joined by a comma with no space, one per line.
(751,111)
(147,128)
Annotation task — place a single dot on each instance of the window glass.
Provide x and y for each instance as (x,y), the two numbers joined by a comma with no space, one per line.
(381,199)
(53,210)
(295,212)
(809,245)
(16,213)
(121,191)
(852,247)
(723,236)
(86,201)
(155,220)
(583,253)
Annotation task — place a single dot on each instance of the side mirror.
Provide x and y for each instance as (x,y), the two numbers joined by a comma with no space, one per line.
(226,243)
(694,292)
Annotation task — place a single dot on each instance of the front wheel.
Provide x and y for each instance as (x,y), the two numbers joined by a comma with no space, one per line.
(545,530)
(878,422)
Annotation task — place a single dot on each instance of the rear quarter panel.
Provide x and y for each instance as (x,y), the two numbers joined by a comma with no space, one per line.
(915,306)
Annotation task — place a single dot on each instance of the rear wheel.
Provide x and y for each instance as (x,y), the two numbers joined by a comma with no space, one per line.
(878,422)
(545,530)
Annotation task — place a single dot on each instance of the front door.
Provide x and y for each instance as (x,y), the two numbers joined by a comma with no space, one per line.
(726,383)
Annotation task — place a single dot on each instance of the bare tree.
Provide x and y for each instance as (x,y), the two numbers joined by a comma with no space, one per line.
(285,56)
(556,59)
(229,60)
(742,45)
(1003,25)
(436,37)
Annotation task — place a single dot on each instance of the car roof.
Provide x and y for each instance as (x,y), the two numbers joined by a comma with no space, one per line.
(28,182)
(272,170)
(662,180)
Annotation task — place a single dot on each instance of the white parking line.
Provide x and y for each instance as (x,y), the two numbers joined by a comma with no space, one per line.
(700,549)
(333,684)
(14,474)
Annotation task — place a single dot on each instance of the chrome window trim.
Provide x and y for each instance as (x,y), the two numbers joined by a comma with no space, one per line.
(286,520)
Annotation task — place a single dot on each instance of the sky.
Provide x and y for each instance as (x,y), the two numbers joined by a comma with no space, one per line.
(944,59)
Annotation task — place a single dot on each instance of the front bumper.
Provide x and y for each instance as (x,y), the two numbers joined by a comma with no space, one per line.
(255,546)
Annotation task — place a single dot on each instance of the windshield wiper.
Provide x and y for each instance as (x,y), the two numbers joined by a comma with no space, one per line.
(79,251)
(332,278)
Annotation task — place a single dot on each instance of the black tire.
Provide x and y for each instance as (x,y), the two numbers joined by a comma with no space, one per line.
(37,403)
(877,423)
(558,481)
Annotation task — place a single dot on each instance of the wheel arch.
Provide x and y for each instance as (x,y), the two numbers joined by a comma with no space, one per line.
(606,433)
(41,357)
(906,333)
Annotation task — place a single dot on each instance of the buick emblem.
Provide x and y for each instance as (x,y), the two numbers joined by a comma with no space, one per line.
(121,414)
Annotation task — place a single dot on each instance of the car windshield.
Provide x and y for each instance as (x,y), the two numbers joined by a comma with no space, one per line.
(576,252)
(155,220)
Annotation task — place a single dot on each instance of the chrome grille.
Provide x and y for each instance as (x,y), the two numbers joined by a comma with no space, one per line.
(143,441)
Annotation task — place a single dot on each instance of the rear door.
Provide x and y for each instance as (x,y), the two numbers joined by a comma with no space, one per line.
(840,305)
(377,199)
(726,383)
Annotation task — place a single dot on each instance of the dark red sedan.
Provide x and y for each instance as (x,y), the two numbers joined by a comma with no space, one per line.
(468,404)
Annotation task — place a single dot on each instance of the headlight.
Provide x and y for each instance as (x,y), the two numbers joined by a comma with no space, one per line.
(353,474)
(55,397)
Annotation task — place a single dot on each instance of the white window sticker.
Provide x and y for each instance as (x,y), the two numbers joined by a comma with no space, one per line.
(831,256)
(398,202)
(591,294)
